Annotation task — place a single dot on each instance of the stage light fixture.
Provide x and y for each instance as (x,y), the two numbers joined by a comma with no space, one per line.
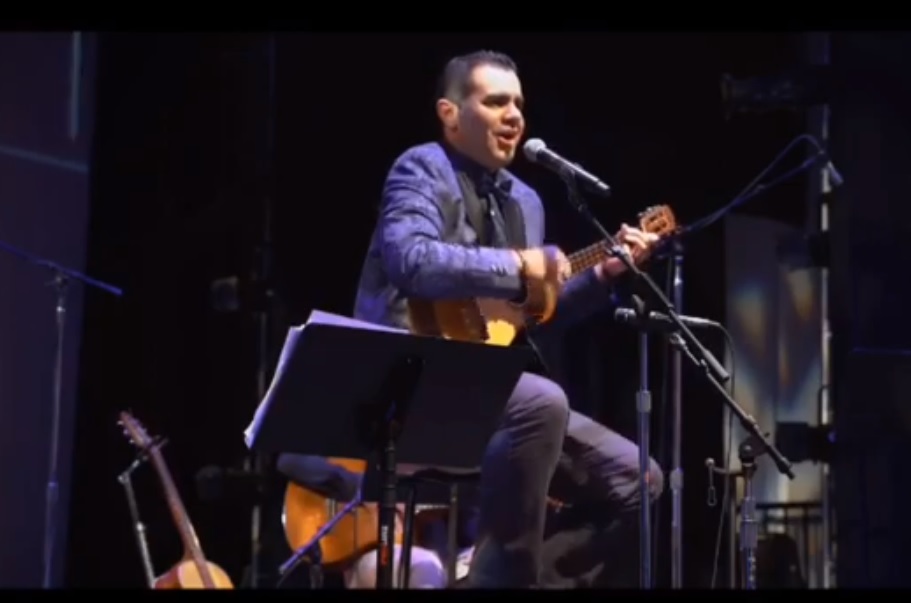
(793,89)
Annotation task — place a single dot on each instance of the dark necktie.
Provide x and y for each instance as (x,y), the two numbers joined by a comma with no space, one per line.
(490,196)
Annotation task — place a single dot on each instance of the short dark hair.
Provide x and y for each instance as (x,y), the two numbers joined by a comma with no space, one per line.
(455,83)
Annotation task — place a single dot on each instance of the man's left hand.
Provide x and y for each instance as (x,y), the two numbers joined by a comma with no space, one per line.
(637,244)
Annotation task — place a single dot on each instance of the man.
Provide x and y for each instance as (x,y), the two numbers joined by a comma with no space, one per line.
(430,242)
(332,481)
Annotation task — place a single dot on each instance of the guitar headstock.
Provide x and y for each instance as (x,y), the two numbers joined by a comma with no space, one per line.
(658,219)
(136,432)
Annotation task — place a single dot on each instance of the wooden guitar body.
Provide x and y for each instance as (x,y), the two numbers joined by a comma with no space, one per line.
(306,512)
(497,321)
(186,575)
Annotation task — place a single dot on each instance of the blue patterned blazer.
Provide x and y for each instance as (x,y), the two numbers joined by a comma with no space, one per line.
(425,244)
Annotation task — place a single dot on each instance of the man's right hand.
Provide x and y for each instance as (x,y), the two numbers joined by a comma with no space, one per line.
(537,264)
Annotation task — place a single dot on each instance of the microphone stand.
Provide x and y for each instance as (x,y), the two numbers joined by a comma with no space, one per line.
(262,278)
(643,402)
(61,281)
(748,451)
(643,411)
(676,481)
(684,341)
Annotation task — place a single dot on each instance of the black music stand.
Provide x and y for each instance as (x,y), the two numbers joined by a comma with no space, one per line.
(352,390)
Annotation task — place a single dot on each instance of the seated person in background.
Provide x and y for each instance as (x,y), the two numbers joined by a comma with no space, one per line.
(319,475)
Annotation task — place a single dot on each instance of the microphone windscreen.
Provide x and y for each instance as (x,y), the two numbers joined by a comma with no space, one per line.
(532,147)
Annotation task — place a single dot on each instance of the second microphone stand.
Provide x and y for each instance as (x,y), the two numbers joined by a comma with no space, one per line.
(687,344)
(676,481)
(747,452)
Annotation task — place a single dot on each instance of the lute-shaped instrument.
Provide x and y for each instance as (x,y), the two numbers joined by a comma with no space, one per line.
(193,571)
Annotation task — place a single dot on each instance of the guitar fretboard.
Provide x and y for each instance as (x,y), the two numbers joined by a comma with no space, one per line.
(589,256)
(658,220)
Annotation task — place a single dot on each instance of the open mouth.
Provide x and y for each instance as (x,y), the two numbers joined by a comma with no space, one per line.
(507,136)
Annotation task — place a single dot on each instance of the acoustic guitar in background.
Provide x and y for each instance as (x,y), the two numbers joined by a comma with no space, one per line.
(498,322)
(306,512)
(193,571)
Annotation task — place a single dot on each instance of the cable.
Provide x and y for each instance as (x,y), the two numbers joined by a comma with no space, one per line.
(755,186)
(726,495)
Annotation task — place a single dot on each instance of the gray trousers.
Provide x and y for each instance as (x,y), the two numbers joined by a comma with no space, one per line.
(541,448)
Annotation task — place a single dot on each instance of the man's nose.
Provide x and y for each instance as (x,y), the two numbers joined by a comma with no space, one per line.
(513,115)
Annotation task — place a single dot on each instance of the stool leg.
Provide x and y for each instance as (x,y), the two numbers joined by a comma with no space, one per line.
(453,545)
(408,536)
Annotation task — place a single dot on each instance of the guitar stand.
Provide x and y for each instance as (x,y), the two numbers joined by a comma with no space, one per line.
(138,527)
(311,549)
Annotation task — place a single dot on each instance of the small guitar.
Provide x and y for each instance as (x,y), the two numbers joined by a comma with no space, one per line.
(193,571)
(306,512)
(497,321)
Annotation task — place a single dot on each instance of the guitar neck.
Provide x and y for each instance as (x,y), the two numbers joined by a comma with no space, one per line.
(588,257)
(181,518)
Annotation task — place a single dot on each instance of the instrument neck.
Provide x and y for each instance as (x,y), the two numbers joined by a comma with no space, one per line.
(588,257)
(188,536)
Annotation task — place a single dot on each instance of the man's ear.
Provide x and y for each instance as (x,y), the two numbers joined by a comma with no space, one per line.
(448,112)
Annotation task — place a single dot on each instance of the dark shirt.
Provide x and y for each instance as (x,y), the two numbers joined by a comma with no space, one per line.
(491,189)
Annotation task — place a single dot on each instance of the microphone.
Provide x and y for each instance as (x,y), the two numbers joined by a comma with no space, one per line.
(661,322)
(537,152)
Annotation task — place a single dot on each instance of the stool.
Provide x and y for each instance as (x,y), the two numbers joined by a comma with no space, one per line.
(453,479)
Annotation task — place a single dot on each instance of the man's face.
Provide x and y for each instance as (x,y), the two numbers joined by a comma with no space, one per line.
(489,124)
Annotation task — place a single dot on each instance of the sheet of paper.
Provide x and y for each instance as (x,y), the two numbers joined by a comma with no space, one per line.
(316,317)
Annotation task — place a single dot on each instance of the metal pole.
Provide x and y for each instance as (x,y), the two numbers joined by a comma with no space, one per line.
(676,460)
(643,406)
(818,49)
(256,462)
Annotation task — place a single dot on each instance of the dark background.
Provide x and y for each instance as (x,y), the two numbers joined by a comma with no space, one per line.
(196,135)
(47,110)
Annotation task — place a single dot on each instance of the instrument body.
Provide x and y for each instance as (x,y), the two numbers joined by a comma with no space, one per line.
(497,321)
(193,571)
(306,512)
(186,575)
(356,533)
